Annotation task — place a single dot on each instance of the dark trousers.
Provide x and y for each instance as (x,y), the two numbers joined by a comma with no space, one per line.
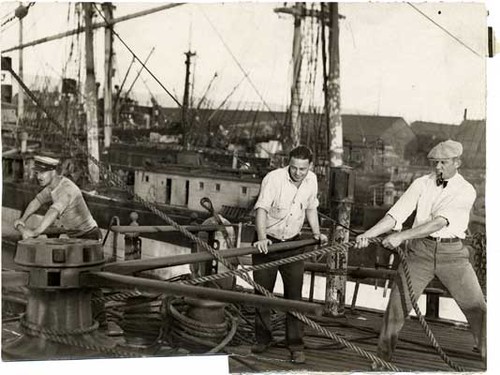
(293,276)
(93,234)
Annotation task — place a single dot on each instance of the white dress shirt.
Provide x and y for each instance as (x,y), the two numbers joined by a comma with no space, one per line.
(453,203)
(285,204)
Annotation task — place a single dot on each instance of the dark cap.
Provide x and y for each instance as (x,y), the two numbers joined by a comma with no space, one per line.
(45,163)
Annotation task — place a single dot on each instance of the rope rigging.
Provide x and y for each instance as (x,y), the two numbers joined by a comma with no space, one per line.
(137,58)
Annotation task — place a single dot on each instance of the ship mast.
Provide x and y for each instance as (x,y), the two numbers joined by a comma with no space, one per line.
(108,75)
(20,12)
(185,101)
(339,177)
(294,135)
(91,95)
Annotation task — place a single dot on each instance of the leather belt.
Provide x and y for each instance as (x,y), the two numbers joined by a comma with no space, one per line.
(443,240)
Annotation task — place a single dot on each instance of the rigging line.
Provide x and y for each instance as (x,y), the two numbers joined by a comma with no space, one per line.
(137,58)
(444,29)
(238,63)
(14,16)
(227,97)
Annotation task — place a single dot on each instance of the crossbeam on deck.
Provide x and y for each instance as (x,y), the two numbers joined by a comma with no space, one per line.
(107,279)
(168,228)
(133,266)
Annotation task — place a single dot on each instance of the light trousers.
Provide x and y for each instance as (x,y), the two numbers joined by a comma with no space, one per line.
(450,263)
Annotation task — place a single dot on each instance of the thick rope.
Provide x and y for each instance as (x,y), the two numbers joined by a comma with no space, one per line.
(119,296)
(273,264)
(35,328)
(65,337)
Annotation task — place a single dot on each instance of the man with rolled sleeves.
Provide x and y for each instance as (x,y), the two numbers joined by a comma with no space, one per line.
(287,196)
(443,200)
(66,201)
(68,205)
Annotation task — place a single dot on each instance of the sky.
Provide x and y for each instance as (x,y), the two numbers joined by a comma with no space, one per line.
(393,60)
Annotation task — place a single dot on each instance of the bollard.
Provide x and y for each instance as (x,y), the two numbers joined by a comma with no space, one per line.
(133,243)
(57,304)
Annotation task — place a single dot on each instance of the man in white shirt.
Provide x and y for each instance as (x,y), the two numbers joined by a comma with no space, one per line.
(287,196)
(443,200)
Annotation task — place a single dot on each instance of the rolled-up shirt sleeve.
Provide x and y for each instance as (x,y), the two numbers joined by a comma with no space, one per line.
(406,204)
(62,203)
(267,194)
(44,196)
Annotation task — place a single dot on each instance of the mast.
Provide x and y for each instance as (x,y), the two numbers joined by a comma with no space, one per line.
(336,150)
(108,75)
(340,181)
(296,100)
(298,12)
(94,26)
(185,101)
(20,12)
(91,95)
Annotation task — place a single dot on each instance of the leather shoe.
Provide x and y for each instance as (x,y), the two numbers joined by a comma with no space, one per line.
(260,347)
(298,357)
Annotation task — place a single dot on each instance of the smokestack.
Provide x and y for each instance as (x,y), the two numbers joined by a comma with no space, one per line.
(465,114)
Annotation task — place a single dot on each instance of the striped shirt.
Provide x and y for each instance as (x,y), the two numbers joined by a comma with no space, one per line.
(67,200)
(285,204)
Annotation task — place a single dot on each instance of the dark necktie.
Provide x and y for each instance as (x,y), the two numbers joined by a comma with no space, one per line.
(440,181)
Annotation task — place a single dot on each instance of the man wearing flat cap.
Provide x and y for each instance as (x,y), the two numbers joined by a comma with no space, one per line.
(443,200)
(66,201)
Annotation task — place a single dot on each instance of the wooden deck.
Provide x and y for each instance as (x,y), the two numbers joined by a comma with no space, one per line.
(414,351)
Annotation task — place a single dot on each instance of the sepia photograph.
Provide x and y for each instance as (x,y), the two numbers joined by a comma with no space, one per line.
(248,187)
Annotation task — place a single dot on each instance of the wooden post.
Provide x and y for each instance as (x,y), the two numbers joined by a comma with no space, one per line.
(296,100)
(340,183)
(21,12)
(185,101)
(108,75)
(91,95)
(293,137)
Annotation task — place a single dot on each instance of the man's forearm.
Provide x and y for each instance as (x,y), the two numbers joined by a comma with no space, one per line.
(312,219)
(33,207)
(383,226)
(424,230)
(47,220)
(260,223)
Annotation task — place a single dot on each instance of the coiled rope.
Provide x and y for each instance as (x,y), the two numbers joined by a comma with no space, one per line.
(66,337)
(191,331)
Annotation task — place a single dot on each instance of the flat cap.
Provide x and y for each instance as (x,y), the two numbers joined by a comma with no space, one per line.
(45,163)
(446,150)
